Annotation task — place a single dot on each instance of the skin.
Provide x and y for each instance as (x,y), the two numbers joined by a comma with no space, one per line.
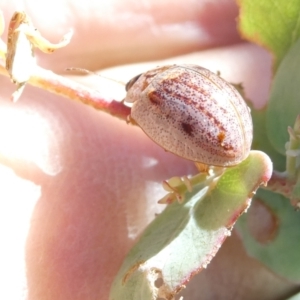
(77,185)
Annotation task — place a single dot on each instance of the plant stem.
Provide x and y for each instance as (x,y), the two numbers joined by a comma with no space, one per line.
(62,86)
(281,184)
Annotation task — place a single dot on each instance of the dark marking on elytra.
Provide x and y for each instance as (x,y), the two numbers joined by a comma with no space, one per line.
(154,97)
(187,128)
(221,137)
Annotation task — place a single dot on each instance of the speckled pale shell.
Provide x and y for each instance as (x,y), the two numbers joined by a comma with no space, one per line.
(192,112)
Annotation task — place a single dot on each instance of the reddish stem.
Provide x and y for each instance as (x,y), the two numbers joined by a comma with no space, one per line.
(62,86)
(279,183)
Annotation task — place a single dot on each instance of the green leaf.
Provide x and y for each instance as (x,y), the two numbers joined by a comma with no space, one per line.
(295,297)
(281,252)
(274,25)
(261,140)
(284,103)
(184,238)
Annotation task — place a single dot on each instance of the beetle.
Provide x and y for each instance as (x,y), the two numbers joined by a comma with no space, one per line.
(193,113)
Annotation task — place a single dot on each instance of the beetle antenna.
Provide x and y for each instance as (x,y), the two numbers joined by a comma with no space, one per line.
(81,70)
